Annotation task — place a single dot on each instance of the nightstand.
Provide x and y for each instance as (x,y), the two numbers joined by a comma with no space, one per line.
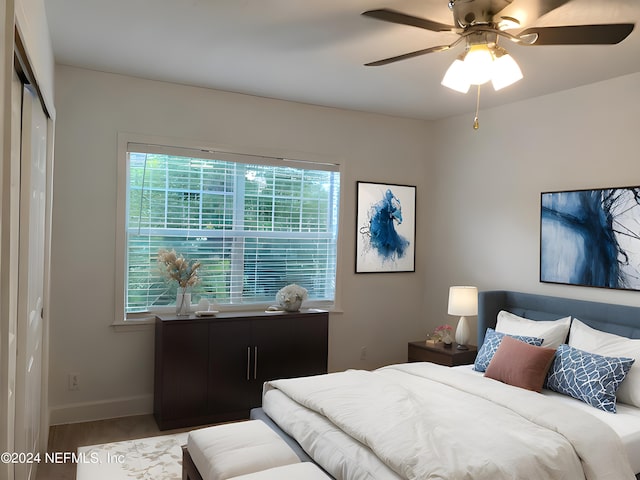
(437,353)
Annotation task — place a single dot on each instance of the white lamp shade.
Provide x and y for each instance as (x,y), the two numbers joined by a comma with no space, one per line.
(463,301)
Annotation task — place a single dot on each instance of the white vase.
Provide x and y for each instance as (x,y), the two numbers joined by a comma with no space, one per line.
(183,304)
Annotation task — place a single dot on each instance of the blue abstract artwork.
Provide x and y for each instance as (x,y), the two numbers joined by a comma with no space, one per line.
(386,228)
(591,238)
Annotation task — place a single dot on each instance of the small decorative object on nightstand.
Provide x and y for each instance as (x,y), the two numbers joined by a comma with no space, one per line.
(441,334)
(438,353)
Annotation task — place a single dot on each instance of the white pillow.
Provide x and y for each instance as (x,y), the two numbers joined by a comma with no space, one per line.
(591,340)
(553,332)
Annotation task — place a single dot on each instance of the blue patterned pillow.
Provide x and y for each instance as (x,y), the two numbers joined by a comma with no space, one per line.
(492,340)
(589,377)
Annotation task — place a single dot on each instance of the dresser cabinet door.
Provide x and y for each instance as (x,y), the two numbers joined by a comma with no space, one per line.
(232,388)
(184,371)
(290,346)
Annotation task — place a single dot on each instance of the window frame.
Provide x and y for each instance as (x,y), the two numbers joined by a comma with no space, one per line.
(181,147)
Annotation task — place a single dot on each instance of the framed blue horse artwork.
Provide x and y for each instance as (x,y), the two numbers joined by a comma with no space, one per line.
(386,228)
(591,238)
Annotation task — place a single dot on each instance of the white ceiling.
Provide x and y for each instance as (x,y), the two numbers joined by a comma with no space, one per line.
(314,51)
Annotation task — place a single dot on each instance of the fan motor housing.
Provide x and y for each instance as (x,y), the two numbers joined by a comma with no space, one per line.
(476,12)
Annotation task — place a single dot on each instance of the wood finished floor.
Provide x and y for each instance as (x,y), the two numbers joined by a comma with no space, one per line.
(67,438)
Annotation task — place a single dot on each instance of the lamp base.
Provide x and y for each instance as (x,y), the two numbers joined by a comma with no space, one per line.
(462,347)
(462,333)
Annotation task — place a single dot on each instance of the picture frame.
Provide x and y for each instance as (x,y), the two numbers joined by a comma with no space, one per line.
(591,238)
(385,227)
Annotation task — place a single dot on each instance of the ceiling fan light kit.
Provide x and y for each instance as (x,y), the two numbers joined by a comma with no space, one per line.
(479,64)
(480,24)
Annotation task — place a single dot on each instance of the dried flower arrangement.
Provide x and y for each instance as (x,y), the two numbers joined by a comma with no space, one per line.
(440,334)
(175,267)
(443,330)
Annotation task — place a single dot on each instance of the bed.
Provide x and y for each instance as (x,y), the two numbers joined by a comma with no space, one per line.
(423,420)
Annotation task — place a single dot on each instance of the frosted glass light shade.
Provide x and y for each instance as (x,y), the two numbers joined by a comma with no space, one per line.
(505,72)
(456,77)
(478,63)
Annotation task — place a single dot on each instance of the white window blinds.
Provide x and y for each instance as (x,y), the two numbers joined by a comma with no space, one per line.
(255,223)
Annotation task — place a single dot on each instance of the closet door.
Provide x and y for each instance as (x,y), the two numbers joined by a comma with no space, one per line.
(31,271)
(9,239)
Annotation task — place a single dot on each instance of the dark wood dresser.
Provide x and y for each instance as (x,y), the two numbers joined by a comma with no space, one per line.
(211,369)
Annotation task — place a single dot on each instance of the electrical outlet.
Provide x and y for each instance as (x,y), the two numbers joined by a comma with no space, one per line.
(74,381)
(363,353)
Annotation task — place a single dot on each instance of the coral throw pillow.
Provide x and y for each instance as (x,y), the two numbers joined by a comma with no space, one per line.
(520,364)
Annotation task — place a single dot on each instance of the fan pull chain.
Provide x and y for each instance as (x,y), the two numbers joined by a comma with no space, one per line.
(476,124)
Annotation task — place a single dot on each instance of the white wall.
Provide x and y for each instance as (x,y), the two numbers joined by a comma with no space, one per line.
(478,209)
(381,312)
(485,227)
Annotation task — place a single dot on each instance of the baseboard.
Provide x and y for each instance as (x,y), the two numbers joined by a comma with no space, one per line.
(101,410)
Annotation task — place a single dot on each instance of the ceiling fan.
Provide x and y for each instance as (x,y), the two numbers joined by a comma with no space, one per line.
(481,24)
(481,18)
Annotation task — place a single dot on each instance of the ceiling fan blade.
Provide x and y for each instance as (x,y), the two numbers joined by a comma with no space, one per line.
(403,19)
(606,34)
(417,53)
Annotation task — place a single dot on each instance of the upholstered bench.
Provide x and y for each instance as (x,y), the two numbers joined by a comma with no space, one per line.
(245,450)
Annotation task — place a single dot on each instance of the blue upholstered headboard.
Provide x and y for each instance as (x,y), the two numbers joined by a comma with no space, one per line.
(619,319)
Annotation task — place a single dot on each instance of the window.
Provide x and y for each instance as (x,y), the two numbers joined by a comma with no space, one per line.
(255,223)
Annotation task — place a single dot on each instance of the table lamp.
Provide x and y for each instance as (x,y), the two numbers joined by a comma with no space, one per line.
(463,301)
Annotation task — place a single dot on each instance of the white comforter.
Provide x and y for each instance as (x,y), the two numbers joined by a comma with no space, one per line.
(424,421)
